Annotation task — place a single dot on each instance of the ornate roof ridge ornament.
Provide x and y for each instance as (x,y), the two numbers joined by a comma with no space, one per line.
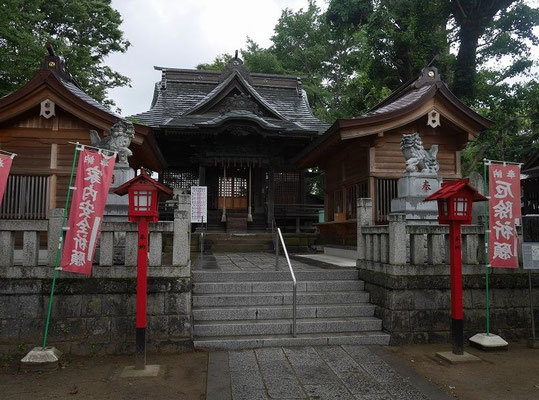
(429,76)
(235,65)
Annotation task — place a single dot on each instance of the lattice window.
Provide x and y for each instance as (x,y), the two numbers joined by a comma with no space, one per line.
(26,197)
(337,196)
(240,187)
(386,190)
(286,187)
(225,187)
(179,179)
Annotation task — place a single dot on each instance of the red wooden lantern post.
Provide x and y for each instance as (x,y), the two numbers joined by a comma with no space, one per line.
(143,194)
(455,208)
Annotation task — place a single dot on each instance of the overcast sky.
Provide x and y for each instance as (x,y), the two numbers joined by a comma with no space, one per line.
(184,33)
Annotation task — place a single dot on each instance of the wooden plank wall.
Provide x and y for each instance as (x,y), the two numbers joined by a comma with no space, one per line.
(355,161)
(42,147)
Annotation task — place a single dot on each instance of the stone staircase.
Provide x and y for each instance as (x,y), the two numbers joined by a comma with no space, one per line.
(240,310)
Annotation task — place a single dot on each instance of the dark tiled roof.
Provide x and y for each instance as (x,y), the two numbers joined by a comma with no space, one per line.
(73,88)
(179,99)
(407,99)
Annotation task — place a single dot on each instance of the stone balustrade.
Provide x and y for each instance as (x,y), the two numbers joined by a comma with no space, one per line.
(28,248)
(399,243)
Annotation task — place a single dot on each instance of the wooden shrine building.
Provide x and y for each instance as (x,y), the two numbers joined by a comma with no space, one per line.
(361,157)
(530,185)
(38,121)
(235,132)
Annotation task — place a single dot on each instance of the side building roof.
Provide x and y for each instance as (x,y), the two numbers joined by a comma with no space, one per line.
(411,101)
(54,81)
(192,99)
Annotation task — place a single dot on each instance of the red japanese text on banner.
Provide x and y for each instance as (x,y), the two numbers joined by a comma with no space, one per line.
(5,166)
(504,215)
(94,175)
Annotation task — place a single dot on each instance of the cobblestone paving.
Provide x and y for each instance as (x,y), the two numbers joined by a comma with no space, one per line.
(247,262)
(321,373)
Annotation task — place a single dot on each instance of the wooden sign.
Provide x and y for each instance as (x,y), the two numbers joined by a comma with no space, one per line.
(199,204)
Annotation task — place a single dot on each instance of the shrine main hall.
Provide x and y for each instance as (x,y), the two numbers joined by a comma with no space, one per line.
(237,133)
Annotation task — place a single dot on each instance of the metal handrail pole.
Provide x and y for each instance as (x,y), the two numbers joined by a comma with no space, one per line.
(276,254)
(294,282)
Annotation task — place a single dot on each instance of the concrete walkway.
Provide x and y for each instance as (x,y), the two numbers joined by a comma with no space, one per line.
(321,373)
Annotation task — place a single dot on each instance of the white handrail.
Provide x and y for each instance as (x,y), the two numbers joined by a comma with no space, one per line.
(293,277)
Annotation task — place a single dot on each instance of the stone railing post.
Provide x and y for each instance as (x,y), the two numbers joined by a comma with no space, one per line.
(397,239)
(53,235)
(181,244)
(7,246)
(364,218)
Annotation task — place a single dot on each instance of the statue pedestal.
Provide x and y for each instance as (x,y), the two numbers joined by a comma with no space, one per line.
(413,188)
(117,206)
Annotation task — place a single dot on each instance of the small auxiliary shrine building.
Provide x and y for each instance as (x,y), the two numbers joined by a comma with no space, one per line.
(361,157)
(40,122)
(235,132)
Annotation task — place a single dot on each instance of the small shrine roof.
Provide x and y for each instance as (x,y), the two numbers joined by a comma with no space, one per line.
(451,188)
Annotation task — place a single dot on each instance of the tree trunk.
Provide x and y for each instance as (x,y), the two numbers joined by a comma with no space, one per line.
(465,66)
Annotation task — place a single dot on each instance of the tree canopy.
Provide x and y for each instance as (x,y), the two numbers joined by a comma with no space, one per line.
(358,51)
(84,32)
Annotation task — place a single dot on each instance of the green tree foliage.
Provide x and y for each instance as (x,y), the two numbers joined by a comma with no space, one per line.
(358,51)
(84,32)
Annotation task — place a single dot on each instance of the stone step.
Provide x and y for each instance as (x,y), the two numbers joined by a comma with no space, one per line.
(262,299)
(282,312)
(278,286)
(282,275)
(284,326)
(253,341)
(247,247)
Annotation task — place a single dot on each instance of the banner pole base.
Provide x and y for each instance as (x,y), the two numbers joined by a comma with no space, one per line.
(488,342)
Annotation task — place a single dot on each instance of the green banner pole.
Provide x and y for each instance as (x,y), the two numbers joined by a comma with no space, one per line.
(487,301)
(60,242)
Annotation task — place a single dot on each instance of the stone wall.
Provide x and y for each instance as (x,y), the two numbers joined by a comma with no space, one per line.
(406,271)
(414,303)
(95,315)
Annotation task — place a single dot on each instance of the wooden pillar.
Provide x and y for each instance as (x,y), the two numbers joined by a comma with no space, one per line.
(271,192)
(249,199)
(201,175)
(223,192)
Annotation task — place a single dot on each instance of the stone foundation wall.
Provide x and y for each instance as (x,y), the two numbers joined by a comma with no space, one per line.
(94,315)
(414,302)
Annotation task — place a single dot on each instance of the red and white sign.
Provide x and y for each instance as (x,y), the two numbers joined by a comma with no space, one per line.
(94,175)
(504,206)
(5,166)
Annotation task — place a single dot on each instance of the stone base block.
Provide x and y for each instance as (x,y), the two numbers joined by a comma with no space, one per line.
(457,358)
(41,359)
(488,342)
(131,372)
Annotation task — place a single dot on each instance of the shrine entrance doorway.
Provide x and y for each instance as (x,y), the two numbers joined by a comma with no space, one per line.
(233,190)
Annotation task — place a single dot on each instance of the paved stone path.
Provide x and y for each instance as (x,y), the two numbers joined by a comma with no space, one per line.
(247,262)
(321,373)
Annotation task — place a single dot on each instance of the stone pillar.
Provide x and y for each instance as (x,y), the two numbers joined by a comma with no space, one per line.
(181,245)
(7,244)
(397,239)
(30,249)
(364,218)
(56,216)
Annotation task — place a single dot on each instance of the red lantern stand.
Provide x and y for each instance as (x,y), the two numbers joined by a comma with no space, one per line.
(143,194)
(455,208)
